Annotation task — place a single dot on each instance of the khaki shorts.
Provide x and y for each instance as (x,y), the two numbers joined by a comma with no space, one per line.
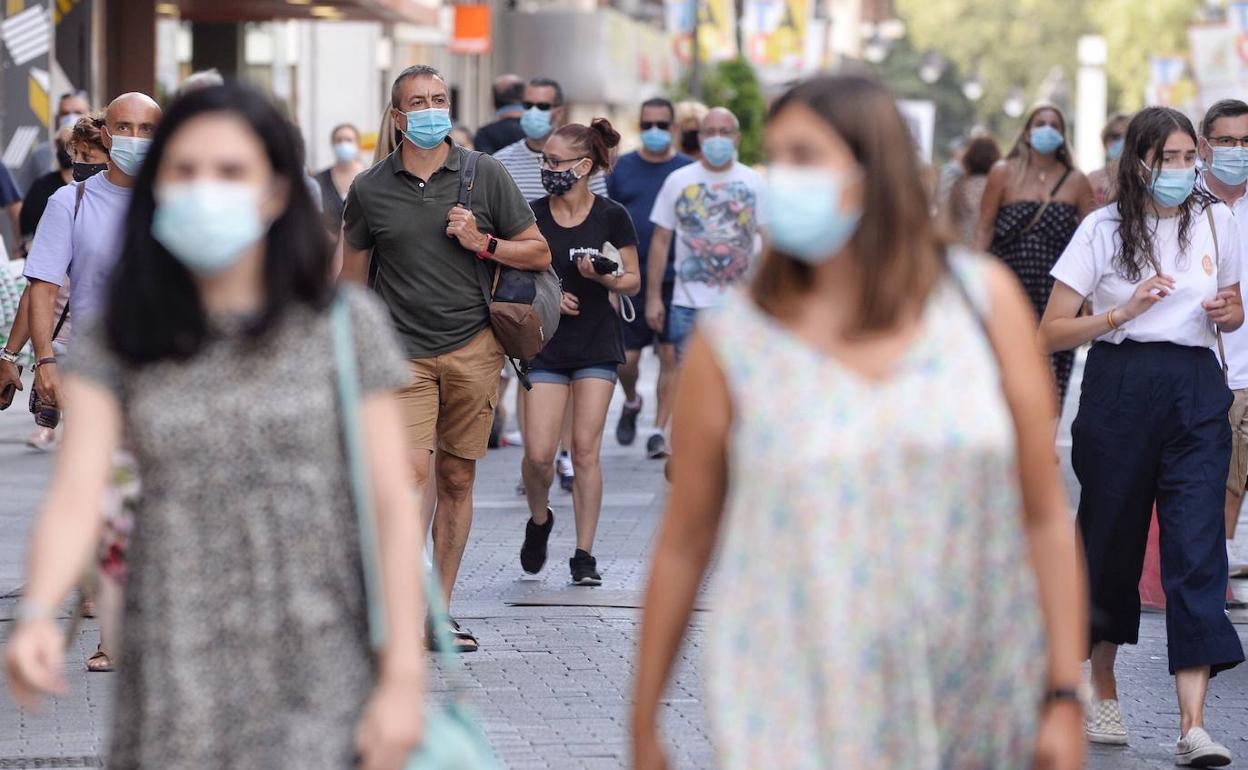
(450,402)
(1235,482)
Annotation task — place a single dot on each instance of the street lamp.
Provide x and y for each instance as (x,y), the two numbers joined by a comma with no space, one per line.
(931,68)
(972,89)
(1014,104)
(875,50)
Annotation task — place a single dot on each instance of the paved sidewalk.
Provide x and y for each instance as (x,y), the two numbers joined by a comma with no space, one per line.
(552,681)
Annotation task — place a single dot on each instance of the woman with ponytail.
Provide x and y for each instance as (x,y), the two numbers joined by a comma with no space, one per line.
(593,248)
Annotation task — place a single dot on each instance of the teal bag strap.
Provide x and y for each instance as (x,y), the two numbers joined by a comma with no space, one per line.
(361,496)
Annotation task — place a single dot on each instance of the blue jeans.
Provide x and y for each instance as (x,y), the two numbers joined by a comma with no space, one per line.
(680,324)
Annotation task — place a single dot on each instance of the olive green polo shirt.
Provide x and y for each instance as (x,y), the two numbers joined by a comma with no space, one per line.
(430,282)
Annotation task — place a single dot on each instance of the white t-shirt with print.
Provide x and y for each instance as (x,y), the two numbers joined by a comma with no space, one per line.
(715,218)
(1087,266)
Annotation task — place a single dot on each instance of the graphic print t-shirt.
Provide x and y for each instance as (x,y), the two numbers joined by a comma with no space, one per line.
(715,217)
(595,336)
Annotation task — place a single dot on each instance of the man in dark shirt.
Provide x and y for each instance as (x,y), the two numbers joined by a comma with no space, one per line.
(635,182)
(508,95)
(402,213)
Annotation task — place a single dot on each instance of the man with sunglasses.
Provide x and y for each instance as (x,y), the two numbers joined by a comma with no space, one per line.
(544,112)
(635,182)
(1223,149)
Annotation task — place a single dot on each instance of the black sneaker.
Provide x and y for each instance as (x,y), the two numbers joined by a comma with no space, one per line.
(626,428)
(584,569)
(533,552)
(656,447)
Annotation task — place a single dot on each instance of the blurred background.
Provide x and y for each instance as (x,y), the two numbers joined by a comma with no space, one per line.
(957,64)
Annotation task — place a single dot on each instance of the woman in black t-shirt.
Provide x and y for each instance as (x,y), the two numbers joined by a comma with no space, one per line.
(581,359)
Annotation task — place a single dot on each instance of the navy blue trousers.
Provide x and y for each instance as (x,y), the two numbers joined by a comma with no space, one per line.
(1152,426)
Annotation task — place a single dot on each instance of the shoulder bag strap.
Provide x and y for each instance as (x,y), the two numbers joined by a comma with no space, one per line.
(78,194)
(361,496)
(1217,271)
(1035,220)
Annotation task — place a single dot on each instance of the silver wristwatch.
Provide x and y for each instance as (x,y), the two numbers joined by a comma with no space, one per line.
(5,355)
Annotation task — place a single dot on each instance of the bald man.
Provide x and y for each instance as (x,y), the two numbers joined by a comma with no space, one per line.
(713,212)
(81,233)
(505,130)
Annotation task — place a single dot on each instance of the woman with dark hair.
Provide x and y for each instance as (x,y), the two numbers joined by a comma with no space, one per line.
(871,401)
(594,250)
(336,180)
(1034,200)
(245,640)
(1161,266)
(962,207)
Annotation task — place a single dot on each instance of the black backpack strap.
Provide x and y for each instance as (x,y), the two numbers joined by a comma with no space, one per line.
(467,176)
(81,191)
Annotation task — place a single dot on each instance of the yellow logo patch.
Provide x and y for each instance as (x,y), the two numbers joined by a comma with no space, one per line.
(1207,263)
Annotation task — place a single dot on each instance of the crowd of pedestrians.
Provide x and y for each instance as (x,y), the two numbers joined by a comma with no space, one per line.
(847,383)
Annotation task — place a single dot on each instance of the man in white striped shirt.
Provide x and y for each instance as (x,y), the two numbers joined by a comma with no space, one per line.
(544,112)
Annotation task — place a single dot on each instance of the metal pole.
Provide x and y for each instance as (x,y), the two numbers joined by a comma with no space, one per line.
(695,71)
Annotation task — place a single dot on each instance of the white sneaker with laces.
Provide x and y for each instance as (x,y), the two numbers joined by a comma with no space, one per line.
(1103,724)
(1198,749)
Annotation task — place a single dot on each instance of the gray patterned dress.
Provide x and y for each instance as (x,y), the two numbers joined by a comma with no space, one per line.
(245,642)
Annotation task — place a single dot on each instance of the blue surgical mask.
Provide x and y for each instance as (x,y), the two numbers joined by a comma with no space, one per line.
(207,226)
(1114,151)
(1230,165)
(655,139)
(535,123)
(428,128)
(128,153)
(1172,186)
(719,151)
(806,217)
(345,152)
(1046,139)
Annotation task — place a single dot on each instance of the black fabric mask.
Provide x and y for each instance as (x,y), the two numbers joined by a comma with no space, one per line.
(63,161)
(84,171)
(558,182)
(689,142)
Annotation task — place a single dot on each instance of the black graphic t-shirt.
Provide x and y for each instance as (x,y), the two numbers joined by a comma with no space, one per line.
(595,336)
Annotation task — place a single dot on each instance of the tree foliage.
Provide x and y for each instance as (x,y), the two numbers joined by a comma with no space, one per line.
(1134,31)
(1026,43)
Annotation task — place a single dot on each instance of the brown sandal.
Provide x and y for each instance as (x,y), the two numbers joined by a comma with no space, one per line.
(100,662)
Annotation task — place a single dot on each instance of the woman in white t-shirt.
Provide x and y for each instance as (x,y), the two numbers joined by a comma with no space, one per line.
(1161,267)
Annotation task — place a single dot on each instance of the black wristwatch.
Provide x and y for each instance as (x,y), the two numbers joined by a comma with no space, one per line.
(1058,694)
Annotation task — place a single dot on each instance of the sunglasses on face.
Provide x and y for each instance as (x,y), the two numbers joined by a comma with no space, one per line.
(662,125)
(543,106)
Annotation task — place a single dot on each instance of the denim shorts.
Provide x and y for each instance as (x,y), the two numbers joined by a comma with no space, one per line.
(567,376)
(680,323)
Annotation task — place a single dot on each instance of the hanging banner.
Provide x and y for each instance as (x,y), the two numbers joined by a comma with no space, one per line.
(472,29)
(1217,67)
(717,28)
(776,34)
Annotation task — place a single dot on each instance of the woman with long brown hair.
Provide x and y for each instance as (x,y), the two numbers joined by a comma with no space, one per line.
(1034,200)
(906,420)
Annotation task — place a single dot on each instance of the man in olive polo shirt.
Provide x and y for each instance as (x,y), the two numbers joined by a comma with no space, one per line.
(402,212)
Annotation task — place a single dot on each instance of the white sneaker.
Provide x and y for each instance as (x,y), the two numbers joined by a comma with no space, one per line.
(1103,724)
(1197,749)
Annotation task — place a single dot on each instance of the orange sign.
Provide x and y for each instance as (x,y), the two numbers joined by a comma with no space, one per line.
(472,29)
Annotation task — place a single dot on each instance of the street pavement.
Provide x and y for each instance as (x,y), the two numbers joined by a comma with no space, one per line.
(552,682)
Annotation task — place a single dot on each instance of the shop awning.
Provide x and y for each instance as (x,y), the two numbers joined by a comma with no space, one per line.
(418,12)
